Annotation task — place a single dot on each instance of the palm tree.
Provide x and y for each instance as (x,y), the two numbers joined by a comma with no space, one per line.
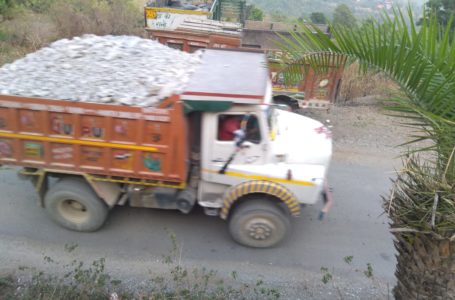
(421,204)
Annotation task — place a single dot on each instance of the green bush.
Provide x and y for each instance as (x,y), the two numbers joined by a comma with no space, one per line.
(6,6)
(3,36)
(36,5)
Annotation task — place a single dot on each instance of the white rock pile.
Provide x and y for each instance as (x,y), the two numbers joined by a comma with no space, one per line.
(105,69)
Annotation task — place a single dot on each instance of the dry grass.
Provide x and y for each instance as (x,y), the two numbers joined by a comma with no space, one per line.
(88,16)
(81,281)
(9,53)
(356,85)
(27,30)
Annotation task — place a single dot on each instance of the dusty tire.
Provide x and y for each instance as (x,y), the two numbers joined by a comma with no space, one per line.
(72,204)
(258,223)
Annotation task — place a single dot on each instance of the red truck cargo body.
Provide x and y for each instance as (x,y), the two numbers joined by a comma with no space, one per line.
(103,139)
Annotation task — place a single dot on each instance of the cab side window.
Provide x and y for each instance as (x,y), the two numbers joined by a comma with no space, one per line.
(253,133)
(228,124)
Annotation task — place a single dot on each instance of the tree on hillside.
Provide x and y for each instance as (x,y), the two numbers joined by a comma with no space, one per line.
(278,16)
(254,13)
(318,18)
(421,204)
(443,9)
(343,17)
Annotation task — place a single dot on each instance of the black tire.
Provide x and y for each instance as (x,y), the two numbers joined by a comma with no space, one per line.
(292,104)
(184,206)
(259,223)
(73,204)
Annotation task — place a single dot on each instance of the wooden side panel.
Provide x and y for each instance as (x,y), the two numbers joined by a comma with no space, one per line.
(190,41)
(322,87)
(31,121)
(7,145)
(62,154)
(103,139)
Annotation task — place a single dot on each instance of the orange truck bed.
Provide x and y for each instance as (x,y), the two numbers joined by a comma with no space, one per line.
(102,139)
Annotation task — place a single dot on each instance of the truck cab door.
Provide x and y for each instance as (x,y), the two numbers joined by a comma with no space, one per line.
(223,147)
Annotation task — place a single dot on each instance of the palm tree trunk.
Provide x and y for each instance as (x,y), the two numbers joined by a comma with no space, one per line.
(425,267)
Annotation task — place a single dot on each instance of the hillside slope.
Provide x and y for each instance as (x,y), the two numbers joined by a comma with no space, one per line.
(299,8)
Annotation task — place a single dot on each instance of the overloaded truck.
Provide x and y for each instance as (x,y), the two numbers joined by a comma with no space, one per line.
(220,144)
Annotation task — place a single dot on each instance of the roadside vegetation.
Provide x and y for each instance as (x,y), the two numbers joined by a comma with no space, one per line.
(357,84)
(78,281)
(27,25)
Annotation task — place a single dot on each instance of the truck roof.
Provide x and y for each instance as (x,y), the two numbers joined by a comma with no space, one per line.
(225,75)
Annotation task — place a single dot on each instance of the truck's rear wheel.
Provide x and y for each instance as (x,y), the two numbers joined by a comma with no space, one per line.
(72,203)
(258,223)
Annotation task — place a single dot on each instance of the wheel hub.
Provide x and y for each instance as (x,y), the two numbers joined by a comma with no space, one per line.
(76,205)
(260,230)
(73,211)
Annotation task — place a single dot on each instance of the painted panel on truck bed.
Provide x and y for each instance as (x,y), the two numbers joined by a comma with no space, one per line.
(104,139)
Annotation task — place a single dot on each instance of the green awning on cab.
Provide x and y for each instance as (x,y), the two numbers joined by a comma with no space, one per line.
(206,106)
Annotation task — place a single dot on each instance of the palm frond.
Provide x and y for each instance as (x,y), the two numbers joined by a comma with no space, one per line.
(412,204)
(420,59)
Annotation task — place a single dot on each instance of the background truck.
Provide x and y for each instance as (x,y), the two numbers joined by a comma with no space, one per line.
(85,158)
(223,24)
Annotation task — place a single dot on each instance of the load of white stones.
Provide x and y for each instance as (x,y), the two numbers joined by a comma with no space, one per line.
(104,69)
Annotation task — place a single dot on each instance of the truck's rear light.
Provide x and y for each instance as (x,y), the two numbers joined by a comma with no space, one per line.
(324,130)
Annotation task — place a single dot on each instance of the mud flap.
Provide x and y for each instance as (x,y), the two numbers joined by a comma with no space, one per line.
(328,200)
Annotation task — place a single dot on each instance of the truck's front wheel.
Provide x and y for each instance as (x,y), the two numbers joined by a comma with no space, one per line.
(72,204)
(258,223)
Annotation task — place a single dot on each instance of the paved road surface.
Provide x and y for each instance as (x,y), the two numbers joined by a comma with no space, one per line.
(134,240)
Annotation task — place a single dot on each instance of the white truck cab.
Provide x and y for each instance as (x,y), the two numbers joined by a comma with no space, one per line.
(259,169)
